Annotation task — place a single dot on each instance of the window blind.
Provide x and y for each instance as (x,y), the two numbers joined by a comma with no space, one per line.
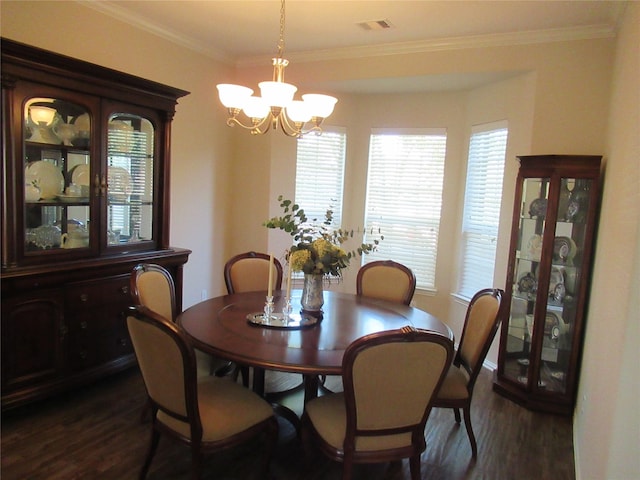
(482,200)
(404,197)
(320,173)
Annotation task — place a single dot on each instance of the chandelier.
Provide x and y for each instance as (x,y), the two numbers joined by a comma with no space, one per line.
(275,107)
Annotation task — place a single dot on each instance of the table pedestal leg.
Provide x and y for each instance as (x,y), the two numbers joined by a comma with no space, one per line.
(310,387)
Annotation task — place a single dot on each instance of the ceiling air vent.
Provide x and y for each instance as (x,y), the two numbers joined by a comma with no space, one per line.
(376,25)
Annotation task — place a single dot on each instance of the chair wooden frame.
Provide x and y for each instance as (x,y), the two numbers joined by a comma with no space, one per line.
(471,367)
(348,454)
(267,426)
(228,267)
(138,296)
(369,267)
(218,366)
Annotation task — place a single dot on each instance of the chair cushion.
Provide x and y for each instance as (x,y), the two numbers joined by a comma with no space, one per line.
(226,408)
(328,416)
(386,283)
(454,386)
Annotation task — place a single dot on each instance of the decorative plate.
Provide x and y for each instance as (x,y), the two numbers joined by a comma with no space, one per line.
(119,184)
(278,320)
(538,208)
(564,249)
(534,247)
(80,175)
(552,326)
(47,177)
(556,278)
(527,283)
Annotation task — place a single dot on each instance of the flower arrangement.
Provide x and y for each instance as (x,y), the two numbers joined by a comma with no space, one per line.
(318,247)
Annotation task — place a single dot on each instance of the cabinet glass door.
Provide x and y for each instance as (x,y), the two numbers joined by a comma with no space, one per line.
(564,282)
(130,174)
(57,173)
(521,326)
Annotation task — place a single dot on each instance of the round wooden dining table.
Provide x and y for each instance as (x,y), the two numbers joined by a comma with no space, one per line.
(220,326)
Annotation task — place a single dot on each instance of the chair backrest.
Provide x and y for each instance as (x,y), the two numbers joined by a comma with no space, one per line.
(484,313)
(168,366)
(386,280)
(389,383)
(152,286)
(249,272)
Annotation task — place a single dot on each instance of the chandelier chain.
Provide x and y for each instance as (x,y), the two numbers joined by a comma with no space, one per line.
(281,39)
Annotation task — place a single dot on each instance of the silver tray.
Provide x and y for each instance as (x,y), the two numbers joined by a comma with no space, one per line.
(279,320)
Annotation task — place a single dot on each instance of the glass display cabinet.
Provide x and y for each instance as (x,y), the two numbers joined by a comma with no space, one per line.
(85,198)
(548,278)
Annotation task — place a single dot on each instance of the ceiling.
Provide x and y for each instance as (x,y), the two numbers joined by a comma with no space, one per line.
(246,32)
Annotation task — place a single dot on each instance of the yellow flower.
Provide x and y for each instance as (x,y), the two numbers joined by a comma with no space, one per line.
(322,247)
(298,259)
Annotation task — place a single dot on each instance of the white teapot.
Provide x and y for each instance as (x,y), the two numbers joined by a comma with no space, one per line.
(77,238)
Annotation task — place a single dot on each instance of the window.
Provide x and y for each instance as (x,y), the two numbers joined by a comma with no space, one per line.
(404,197)
(482,198)
(320,173)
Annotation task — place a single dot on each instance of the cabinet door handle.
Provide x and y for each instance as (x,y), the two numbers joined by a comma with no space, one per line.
(124,289)
(63,331)
(84,297)
(100,186)
(83,325)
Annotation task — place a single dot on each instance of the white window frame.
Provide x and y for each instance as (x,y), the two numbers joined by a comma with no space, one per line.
(482,203)
(404,198)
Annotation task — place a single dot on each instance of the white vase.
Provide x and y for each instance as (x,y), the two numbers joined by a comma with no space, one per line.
(312,293)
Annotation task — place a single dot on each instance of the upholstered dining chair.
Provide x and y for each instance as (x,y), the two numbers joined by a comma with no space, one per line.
(152,285)
(484,314)
(370,424)
(386,280)
(207,413)
(249,272)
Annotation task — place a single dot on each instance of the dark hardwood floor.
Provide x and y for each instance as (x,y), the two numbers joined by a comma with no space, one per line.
(96,433)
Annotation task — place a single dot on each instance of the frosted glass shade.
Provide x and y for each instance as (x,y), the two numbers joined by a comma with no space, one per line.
(277,94)
(319,105)
(42,115)
(298,111)
(255,107)
(233,96)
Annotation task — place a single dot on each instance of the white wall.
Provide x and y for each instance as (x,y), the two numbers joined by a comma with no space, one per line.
(607,418)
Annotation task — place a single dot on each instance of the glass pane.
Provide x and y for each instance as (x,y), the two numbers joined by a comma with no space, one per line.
(533,212)
(57,175)
(564,283)
(129,179)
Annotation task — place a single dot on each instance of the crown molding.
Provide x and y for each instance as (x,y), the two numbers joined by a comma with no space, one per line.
(441,44)
(367,51)
(142,23)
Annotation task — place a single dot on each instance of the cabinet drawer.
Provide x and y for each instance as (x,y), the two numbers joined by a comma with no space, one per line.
(96,293)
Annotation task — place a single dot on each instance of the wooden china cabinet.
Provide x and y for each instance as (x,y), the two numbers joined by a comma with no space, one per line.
(548,276)
(85,197)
